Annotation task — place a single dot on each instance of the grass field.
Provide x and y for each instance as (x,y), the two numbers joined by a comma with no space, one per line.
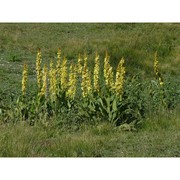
(157,135)
(158,138)
(136,42)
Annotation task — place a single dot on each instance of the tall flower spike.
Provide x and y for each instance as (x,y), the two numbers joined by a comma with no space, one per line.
(108,73)
(38,68)
(64,74)
(120,74)
(44,81)
(79,65)
(59,54)
(86,80)
(58,68)
(24,79)
(96,74)
(156,70)
(72,82)
(52,79)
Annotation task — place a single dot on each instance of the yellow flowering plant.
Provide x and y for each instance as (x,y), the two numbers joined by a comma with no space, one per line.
(108,73)
(161,92)
(96,74)
(71,92)
(52,81)
(38,68)
(86,86)
(58,68)
(94,93)
(156,70)
(64,74)
(79,64)
(120,75)
(24,79)
(43,91)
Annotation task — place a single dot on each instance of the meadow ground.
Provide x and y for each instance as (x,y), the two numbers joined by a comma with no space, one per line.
(158,135)
(158,138)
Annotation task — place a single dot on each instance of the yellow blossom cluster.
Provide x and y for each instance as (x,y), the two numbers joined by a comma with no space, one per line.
(43,91)
(96,74)
(38,68)
(120,74)
(79,65)
(108,73)
(86,80)
(58,78)
(52,81)
(24,79)
(58,66)
(64,74)
(156,70)
(72,82)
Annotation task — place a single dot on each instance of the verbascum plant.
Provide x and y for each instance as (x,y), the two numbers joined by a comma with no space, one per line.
(52,80)
(58,66)
(79,65)
(120,75)
(96,74)
(64,74)
(108,73)
(24,79)
(72,82)
(156,70)
(43,91)
(86,80)
(38,68)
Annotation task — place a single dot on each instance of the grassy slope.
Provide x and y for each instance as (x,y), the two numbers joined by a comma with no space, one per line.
(136,42)
(158,138)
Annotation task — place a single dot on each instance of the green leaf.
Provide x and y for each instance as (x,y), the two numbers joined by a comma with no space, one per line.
(114,105)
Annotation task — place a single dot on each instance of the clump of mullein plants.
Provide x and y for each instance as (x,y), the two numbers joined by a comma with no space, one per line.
(162,94)
(93,95)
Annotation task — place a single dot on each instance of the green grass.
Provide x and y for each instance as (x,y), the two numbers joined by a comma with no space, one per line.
(135,42)
(158,137)
(159,133)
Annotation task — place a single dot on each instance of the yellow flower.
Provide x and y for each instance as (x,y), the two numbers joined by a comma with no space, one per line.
(161,83)
(38,68)
(59,54)
(72,83)
(108,73)
(44,79)
(96,74)
(120,74)
(58,66)
(52,79)
(156,70)
(86,80)
(79,65)
(64,74)
(24,79)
